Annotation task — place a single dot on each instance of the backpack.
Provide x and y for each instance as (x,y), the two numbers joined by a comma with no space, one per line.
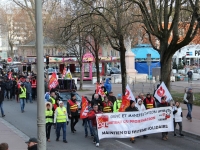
(190,73)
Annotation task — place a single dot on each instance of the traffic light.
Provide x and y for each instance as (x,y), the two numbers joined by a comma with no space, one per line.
(47,60)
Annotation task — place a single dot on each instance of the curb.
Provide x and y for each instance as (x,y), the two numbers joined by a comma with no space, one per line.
(14,129)
(190,134)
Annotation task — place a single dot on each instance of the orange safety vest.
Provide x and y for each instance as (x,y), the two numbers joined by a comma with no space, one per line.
(107,107)
(73,106)
(33,84)
(150,103)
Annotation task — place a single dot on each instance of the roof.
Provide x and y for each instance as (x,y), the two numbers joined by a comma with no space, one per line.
(141,51)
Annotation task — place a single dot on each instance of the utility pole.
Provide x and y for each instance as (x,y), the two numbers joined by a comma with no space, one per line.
(40,77)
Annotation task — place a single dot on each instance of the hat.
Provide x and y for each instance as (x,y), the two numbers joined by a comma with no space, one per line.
(60,102)
(148,93)
(119,95)
(189,89)
(32,140)
(72,94)
(131,102)
(139,99)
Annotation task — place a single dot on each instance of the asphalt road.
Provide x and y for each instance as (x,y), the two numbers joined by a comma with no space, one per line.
(27,123)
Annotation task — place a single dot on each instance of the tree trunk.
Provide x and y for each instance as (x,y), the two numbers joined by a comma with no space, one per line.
(123,67)
(81,77)
(166,70)
(97,68)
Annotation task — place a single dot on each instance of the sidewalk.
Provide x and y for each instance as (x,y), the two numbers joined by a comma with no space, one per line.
(15,138)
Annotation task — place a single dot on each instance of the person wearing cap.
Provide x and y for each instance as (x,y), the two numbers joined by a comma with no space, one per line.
(163,103)
(130,109)
(61,120)
(189,98)
(149,102)
(73,111)
(117,103)
(32,144)
(2,90)
(49,119)
(22,96)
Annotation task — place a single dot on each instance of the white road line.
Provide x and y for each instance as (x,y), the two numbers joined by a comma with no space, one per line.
(123,143)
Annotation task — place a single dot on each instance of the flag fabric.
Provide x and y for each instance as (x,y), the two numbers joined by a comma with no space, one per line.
(129,93)
(68,74)
(53,82)
(125,103)
(64,73)
(84,108)
(10,75)
(99,90)
(162,91)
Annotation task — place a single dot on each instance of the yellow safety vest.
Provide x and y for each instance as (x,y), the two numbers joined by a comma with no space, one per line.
(23,94)
(49,114)
(61,115)
(117,105)
(53,101)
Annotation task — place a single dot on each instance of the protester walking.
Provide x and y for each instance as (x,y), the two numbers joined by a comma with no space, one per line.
(32,144)
(2,88)
(49,119)
(22,96)
(28,90)
(117,103)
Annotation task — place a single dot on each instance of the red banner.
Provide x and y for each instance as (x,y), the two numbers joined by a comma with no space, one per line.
(125,104)
(53,82)
(84,108)
(99,90)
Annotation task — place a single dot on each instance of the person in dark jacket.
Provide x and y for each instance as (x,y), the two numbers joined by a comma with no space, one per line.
(129,109)
(96,93)
(96,100)
(111,97)
(32,144)
(163,103)
(2,88)
(28,90)
(72,109)
(8,88)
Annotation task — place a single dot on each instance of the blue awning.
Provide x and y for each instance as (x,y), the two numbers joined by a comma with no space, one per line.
(142,50)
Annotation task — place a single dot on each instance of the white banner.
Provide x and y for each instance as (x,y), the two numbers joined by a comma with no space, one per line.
(129,93)
(132,124)
(162,91)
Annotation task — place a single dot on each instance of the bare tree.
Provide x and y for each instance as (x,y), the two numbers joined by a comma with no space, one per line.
(163,20)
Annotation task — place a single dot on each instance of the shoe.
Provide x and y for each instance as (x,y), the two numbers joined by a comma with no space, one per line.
(92,135)
(75,130)
(3,116)
(97,145)
(191,120)
(174,134)
(57,139)
(65,141)
(145,136)
(49,140)
(72,131)
(85,136)
(164,138)
(181,134)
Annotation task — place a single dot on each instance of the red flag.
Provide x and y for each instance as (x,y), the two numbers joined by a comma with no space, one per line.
(84,108)
(125,104)
(10,75)
(53,82)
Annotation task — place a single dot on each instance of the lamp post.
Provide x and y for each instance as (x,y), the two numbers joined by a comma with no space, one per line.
(40,78)
(149,62)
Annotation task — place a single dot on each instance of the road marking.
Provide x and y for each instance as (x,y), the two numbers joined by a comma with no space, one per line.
(123,143)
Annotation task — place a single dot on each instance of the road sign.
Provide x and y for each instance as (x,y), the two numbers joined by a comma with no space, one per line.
(9,60)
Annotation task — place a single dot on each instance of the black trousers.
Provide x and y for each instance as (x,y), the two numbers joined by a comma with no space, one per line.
(180,127)
(74,120)
(34,90)
(48,130)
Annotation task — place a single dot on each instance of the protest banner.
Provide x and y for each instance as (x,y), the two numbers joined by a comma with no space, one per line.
(133,124)
(53,82)
(84,108)
(162,91)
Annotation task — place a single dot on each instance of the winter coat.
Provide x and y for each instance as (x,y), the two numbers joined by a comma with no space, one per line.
(34,147)
(108,85)
(131,109)
(92,117)
(28,87)
(178,115)
(2,86)
(8,85)
(140,107)
(97,102)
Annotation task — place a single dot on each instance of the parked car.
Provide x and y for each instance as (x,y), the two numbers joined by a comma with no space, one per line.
(67,96)
(113,70)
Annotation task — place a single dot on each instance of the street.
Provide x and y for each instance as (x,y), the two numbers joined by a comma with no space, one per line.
(27,123)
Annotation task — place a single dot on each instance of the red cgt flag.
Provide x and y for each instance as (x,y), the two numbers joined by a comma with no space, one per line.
(125,104)
(53,82)
(84,108)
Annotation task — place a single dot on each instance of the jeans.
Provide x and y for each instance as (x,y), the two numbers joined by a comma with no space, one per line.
(1,107)
(189,114)
(74,120)
(96,137)
(22,103)
(28,97)
(87,123)
(48,130)
(180,127)
(60,125)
